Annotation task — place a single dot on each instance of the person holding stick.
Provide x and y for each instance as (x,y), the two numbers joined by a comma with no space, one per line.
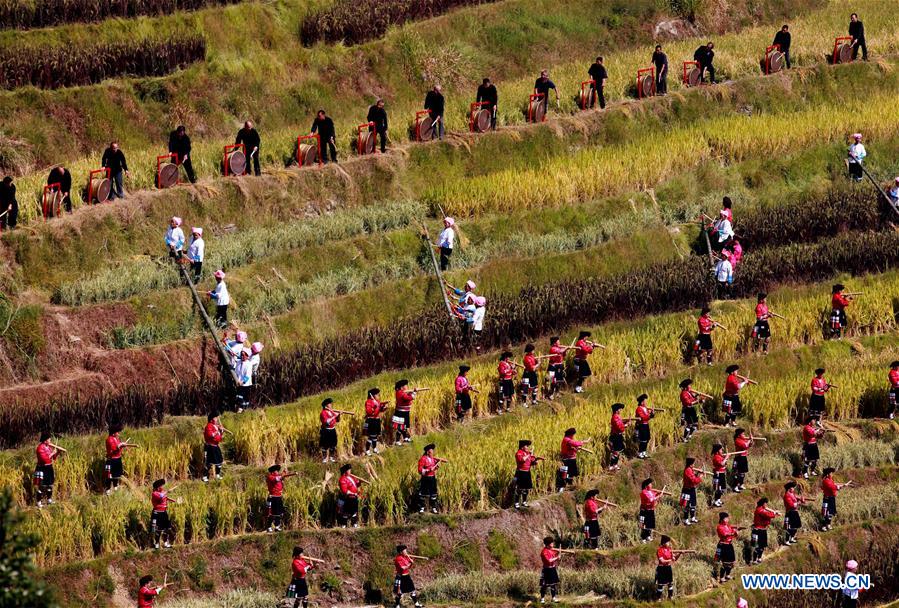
(893,396)
(524,482)
(703,345)
(857,32)
(556,366)
(348,500)
(830,488)
(506,390)
(660,61)
(838,303)
(160,526)
(445,242)
(488,95)
(820,387)
(649,498)
(724,552)
(811,432)
(174,238)
(463,390)
(402,582)
(690,400)
(643,415)
(221,297)
(374,409)
(427,469)
(327,437)
(542,87)
(857,154)
(782,39)
(530,382)
(730,402)
(692,477)
(742,443)
(761,331)
(147,593)
(327,136)
(377,118)
(719,473)
(402,412)
(598,75)
(62,176)
(549,573)
(213,434)
(583,348)
(761,519)
(44,474)
(298,590)
(616,436)
(435,104)
(592,508)
(666,557)
(113,471)
(569,471)
(179,145)
(196,251)
(792,520)
(249,137)
(705,56)
(274,481)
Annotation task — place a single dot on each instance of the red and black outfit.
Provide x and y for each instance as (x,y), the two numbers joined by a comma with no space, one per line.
(761,330)
(373,411)
(402,582)
(146,597)
(524,481)
(894,393)
(549,573)
(402,413)
(348,500)
(274,481)
(569,469)
(327,435)
(463,396)
(838,320)
(616,438)
(719,476)
(691,480)
(664,572)
(507,373)
(529,379)
(112,469)
(689,416)
(212,437)
(556,366)
(159,518)
(761,519)
(810,452)
(829,501)
(44,474)
(649,498)
(704,338)
(581,364)
(816,403)
(591,523)
(741,461)
(724,552)
(730,402)
(643,414)
(427,488)
(792,520)
(299,588)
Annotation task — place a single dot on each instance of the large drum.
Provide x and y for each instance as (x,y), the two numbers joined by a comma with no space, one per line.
(236,162)
(481,119)
(307,154)
(537,109)
(583,98)
(694,76)
(366,141)
(645,85)
(51,203)
(843,53)
(424,127)
(167,176)
(776,61)
(100,189)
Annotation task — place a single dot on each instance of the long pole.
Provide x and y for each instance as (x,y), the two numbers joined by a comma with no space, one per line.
(879,189)
(708,243)
(210,326)
(426,237)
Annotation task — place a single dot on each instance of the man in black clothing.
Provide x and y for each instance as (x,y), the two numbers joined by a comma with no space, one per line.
(599,76)
(114,160)
(543,85)
(435,103)
(857,31)
(782,39)
(179,145)
(487,94)
(378,115)
(60,175)
(249,137)
(9,207)
(324,126)
(704,55)
(660,61)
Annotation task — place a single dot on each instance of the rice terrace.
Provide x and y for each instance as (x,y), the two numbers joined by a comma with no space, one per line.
(450,303)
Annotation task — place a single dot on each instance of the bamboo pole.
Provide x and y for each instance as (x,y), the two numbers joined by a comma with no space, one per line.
(441,283)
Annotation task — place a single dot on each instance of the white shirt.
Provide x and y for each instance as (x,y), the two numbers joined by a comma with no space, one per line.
(850,593)
(478,318)
(174,237)
(724,271)
(244,371)
(197,250)
(894,193)
(446,238)
(220,294)
(254,364)
(857,153)
(725,231)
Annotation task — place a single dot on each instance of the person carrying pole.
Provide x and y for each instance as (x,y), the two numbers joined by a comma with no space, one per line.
(378,115)
(857,154)
(666,557)
(761,519)
(114,160)
(174,238)
(569,471)
(660,62)
(327,437)
(506,389)
(649,498)
(402,582)
(274,481)
(44,474)
(792,520)
(583,348)
(761,331)
(113,471)
(857,33)
(893,395)
(617,427)
(830,488)
(348,497)
(783,40)
(705,56)
(60,175)
(374,409)
(222,299)
(147,593)
(445,242)
(324,126)
(592,508)
(179,145)
(524,482)
(719,473)
(724,277)
(838,303)
(543,85)
(427,469)
(742,443)
(249,137)
(690,400)
(643,415)
(213,434)
(435,104)
(488,95)
(703,346)
(463,390)
(196,252)
(160,526)
(549,573)
(298,590)
(598,75)
(724,552)
(692,477)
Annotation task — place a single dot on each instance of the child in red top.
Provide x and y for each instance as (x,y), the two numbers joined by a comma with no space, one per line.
(348,499)
(665,558)
(592,509)
(374,409)
(402,582)
(463,390)
(643,415)
(719,473)
(298,590)
(742,443)
(147,594)
(529,380)
(838,302)
(761,519)
(402,413)
(820,388)
(724,552)
(274,481)
(690,401)
(703,346)
(159,518)
(761,331)
(649,498)
(568,452)
(692,479)
(427,469)
(213,434)
(44,473)
(507,372)
(549,573)
(616,436)
(524,482)
(829,488)
(581,364)
(792,520)
(556,366)
(811,432)
(894,389)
